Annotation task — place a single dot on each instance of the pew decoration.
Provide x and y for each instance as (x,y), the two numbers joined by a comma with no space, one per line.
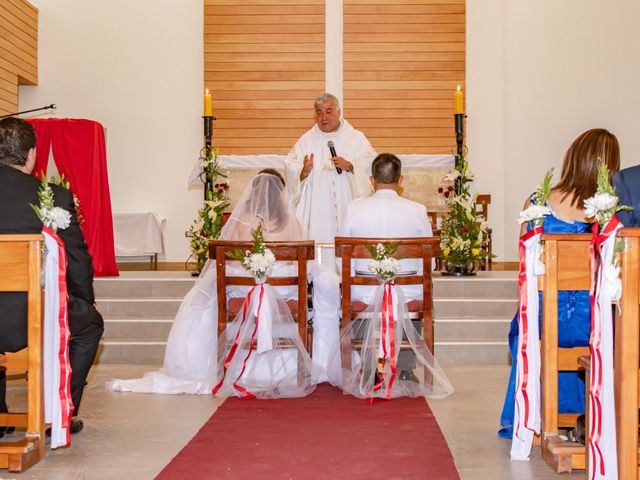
(606,287)
(527,394)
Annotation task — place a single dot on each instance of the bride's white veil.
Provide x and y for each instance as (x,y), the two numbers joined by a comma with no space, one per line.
(263,202)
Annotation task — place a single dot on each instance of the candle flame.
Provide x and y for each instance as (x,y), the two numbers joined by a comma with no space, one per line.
(458,87)
(206,90)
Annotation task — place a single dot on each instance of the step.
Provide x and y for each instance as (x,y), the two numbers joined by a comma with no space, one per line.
(137,352)
(137,328)
(474,307)
(138,307)
(476,328)
(503,286)
(472,352)
(144,285)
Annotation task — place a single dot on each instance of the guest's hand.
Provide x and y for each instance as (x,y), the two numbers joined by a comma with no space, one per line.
(306,167)
(340,162)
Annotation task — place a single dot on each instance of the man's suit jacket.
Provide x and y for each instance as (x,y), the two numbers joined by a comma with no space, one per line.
(385,214)
(17,191)
(627,185)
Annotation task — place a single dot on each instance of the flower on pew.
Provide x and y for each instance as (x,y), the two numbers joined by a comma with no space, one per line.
(259,262)
(604,203)
(384,264)
(55,218)
(538,209)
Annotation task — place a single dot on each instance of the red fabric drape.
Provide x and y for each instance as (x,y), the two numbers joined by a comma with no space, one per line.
(79,152)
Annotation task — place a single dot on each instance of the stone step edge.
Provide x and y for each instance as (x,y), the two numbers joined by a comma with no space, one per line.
(139,320)
(472,320)
(179,299)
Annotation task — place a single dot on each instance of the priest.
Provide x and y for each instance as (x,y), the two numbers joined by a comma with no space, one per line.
(328,167)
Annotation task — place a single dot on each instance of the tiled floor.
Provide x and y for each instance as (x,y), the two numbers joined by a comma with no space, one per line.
(132,436)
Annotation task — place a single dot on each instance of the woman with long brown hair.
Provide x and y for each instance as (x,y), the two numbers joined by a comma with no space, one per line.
(578,181)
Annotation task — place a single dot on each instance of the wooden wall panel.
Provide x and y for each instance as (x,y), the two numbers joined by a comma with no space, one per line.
(402,61)
(18,51)
(264,65)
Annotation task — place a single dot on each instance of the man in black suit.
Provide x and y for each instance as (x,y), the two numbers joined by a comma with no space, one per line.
(18,189)
(627,184)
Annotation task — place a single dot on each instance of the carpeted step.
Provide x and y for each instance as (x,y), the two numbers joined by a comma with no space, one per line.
(137,328)
(134,352)
(475,328)
(485,307)
(138,307)
(472,352)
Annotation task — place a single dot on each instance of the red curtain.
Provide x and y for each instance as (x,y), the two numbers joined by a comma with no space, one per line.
(80,154)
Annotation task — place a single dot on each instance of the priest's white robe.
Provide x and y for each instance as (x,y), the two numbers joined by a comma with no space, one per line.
(321,199)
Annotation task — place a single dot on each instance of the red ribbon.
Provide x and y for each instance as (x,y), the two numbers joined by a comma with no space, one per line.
(523,323)
(245,308)
(595,340)
(64,389)
(388,320)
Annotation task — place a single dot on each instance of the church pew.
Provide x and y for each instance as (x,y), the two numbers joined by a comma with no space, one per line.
(626,356)
(566,259)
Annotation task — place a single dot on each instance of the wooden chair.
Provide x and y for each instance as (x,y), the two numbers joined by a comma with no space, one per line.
(20,264)
(626,356)
(566,259)
(423,248)
(299,252)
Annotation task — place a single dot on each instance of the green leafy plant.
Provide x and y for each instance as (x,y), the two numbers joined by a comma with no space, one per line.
(463,235)
(208,224)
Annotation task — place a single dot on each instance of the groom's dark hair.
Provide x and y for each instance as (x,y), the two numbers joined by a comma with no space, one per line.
(17,137)
(386,168)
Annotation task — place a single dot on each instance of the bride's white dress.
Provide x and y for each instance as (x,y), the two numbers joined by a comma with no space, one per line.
(191,357)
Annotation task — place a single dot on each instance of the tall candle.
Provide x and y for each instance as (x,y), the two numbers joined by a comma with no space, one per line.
(208,111)
(457,101)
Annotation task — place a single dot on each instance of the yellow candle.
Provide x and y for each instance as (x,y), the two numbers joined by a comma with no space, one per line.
(208,112)
(457,101)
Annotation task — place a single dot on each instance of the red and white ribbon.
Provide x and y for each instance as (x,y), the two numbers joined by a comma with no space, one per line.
(605,287)
(244,393)
(58,406)
(387,337)
(526,421)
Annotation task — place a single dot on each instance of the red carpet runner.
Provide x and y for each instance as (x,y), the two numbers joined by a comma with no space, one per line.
(326,435)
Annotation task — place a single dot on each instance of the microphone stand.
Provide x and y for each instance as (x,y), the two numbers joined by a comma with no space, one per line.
(52,106)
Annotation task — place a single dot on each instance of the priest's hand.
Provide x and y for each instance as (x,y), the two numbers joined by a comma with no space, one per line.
(306,167)
(343,163)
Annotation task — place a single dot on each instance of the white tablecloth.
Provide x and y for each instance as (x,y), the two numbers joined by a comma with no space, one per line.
(138,234)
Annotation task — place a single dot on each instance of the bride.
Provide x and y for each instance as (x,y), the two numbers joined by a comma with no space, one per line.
(190,364)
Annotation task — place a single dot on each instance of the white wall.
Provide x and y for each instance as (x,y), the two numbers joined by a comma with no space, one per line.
(539,72)
(558,69)
(137,68)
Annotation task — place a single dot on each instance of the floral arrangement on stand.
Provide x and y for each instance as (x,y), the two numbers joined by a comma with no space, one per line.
(208,224)
(383,264)
(55,218)
(259,262)
(463,235)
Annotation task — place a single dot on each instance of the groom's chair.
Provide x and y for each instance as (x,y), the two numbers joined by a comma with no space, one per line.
(422,248)
(20,267)
(296,252)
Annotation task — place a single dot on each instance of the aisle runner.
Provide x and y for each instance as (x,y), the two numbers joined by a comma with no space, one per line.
(323,436)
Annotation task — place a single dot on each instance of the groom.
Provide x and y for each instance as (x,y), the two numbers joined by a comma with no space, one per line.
(18,189)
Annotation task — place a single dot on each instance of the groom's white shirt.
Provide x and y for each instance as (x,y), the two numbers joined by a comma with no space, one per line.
(385,214)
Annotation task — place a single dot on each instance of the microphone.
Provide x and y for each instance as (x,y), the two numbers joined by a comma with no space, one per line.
(332,149)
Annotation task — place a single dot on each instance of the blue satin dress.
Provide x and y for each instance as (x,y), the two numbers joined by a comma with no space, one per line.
(574,326)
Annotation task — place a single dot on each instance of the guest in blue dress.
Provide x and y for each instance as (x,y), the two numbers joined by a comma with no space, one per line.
(566,200)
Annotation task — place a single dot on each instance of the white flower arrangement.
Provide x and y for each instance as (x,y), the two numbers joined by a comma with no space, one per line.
(538,209)
(55,218)
(384,265)
(258,263)
(604,203)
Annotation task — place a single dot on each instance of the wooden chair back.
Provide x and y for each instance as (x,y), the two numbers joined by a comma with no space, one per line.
(20,267)
(627,357)
(566,259)
(423,248)
(298,252)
